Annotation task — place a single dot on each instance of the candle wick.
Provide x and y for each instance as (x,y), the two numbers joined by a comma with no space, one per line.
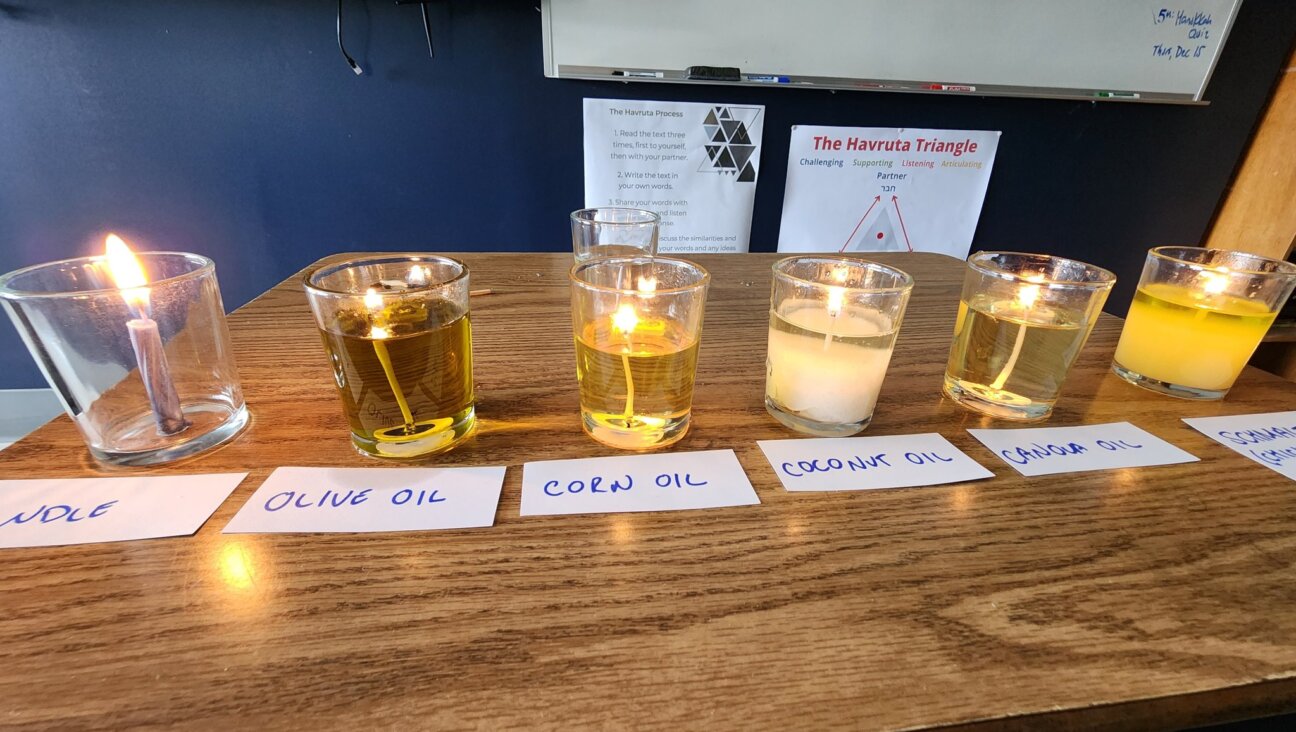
(629,408)
(1002,379)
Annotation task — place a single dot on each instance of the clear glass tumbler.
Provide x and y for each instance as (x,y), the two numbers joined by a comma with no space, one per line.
(397,332)
(146,372)
(637,324)
(1022,320)
(1197,317)
(833,324)
(614,232)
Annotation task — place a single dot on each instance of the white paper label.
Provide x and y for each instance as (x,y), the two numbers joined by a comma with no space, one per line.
(666,482)
(1268,439)
(298,500)
(1050,450)
(62,511)
(862,463)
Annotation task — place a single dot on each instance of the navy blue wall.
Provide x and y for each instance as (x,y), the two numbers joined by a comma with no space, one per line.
(235,129)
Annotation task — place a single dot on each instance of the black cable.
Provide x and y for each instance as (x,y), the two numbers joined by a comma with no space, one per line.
(350,61)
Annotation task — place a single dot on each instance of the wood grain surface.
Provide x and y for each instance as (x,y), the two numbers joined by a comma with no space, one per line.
(1121,599)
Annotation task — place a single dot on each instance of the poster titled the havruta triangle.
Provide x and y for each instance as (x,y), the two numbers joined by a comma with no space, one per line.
(696,165)
(875,189)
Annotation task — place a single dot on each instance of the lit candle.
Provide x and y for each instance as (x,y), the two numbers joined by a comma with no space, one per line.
(378,332)
(1023,305)
(1198,335)
(835,380)
(129,277)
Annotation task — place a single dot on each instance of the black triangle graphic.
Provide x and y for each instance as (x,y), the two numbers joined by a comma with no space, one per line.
(725,160)
(724,113)
(740,137)
(729,126)
(748,174)
(718,136)
(741,153)
(712,150)
(710,118)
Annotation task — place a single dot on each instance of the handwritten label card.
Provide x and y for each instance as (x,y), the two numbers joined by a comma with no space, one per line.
(303,500)
(1051,450)
(666,482)
(63,511)
(1268,439)
(861,463)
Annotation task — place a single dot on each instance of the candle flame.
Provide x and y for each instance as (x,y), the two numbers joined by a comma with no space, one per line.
(126,272)
(647,284)
(372,299)
(839,275)
(1215,282)
(418,276)
(1028,294)
(835,297)
(625,319)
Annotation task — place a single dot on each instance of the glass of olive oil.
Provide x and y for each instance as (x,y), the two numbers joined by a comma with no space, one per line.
(1197,317)
(398,335)
(637,323)
(1022,321)
(610,231)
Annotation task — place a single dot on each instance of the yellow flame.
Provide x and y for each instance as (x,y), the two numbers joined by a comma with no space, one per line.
(839,275)
(126,272)
(625,319)
(1028,294)
(372,299)
(418,276)
(835,297)
(1215,282)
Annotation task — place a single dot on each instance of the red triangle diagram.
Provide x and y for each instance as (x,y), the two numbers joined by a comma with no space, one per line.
(880,229)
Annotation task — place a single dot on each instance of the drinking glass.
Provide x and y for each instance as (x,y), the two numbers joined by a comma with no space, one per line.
(637,324)
(398,335)
(1022,320)
(833,324)
(614,232)
(1197,317)
(145,373)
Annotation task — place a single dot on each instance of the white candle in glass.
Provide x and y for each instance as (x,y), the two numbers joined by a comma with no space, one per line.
(828,366)
(146,341)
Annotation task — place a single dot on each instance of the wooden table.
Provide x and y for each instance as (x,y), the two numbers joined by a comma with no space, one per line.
(1128,598)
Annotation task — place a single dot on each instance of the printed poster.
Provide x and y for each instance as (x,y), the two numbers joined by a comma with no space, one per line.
(696,165)
(883,189)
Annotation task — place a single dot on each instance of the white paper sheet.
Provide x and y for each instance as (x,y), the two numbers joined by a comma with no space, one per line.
(59,511)
(303,500)
(879,189)
(1268,439)
(862,463)
(665,482)
(1051,450)
(694,164)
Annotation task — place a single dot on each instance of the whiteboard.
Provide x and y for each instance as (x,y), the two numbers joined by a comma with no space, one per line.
(1122,50)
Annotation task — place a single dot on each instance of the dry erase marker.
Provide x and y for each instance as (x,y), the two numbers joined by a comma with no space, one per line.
(768,78)
(952,87)
(1116,95)
(639,74)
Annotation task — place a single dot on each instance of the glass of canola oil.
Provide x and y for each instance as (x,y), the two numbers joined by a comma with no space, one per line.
(1197,317)
(398,336)
(637,323)
(1022,321)
(833,325)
